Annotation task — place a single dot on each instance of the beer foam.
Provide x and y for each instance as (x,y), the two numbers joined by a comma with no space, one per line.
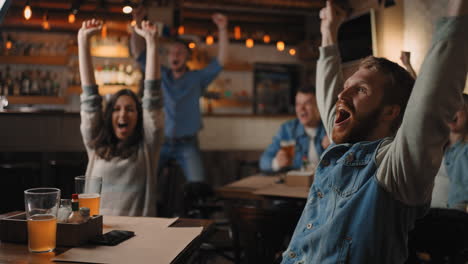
(88,195)
(42,217)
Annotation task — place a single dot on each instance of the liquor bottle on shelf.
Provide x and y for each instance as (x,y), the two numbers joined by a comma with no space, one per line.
(25,83)
(55,85)
(8,82)
(48,86)
(34,90)
(16,83)
(1,81)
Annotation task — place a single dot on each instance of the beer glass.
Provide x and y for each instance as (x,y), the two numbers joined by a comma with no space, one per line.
(89,192)
(289,147)
(41,214)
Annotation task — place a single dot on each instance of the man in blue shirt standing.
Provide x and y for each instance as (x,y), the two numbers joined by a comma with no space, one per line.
(388,137)
(182,89)
(306,133)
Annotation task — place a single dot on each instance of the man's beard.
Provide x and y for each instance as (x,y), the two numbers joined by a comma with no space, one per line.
(362,128)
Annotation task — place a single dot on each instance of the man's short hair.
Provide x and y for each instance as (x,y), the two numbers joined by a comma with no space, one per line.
(182,42)
(306,89)
(398,86)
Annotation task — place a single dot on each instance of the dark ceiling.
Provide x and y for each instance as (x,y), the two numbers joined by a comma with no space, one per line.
(292,21)
(285,19)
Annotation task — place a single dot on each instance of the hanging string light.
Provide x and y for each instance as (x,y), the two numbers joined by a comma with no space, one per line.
(8,43)
(292,52)
(280,45)
(127,8)
(237,32)
(266,39)
(209,40)
(71,18)
(27,12)
(249,43)
(181,30)
(104,31)
(45,21)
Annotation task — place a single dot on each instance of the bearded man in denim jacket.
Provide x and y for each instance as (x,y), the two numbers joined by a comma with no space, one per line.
(376,178)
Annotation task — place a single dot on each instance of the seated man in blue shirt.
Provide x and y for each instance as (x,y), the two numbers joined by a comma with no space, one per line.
(306,133)
(182,89)
(456,159)
(388,137)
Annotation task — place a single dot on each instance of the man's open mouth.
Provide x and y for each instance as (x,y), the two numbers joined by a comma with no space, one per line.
(341,116)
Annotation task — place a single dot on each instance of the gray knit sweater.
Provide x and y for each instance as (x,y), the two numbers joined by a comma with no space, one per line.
(128,185)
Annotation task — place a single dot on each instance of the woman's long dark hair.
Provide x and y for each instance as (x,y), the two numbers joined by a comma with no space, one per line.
(105,143)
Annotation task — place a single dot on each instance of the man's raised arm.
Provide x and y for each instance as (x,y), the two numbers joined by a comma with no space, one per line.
(329,80)
(411,163)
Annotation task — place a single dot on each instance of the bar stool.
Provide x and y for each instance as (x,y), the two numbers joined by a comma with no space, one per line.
(17,177)
(170,189)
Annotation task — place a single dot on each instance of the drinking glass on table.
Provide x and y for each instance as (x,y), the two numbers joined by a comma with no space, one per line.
(89,192)
(288,146)
(41,214)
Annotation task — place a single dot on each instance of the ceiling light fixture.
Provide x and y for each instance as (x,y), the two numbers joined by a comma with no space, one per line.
(8,43)
(209,40)
(72,15)
(104,31)
(237,32)
(127,8)
(45,21)
(280,45)
(181,30)
(249,43)
(27,12)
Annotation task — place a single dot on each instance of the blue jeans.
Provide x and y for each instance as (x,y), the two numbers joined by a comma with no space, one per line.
(188,157)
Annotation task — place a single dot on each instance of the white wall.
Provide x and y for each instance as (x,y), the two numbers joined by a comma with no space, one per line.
(239,133)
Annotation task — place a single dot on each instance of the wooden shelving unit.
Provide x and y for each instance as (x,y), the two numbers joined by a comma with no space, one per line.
(103,89)
(238,66)
(39,60)
(36,100)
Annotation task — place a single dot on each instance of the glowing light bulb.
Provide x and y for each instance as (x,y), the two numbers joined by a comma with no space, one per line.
(8,44)
(192,45)
(249,43)
(266,38)
(127,9)
(280,45)
(181,30)
(292,52)
(71,18)
(27,12)
(209,40)
(237,32)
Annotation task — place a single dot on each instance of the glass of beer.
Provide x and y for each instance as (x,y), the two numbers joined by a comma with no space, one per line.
(288,146)
(41,213)
(89,192)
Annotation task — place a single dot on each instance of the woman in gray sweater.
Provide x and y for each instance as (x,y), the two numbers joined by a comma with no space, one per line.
(123,142)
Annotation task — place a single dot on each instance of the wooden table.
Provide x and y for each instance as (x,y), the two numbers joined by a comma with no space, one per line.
(263,212)
(12,253)
(260,188)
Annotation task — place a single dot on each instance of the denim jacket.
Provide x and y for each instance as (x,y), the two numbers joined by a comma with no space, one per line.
(292,130)
(348,212)
(456,163)
(366,195)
